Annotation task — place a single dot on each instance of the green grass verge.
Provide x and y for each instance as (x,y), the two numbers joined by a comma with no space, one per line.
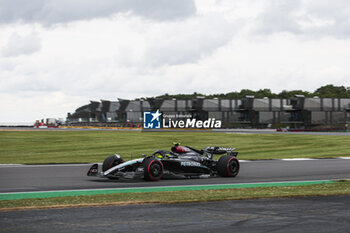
(71,193)
(91,146)
(338,188)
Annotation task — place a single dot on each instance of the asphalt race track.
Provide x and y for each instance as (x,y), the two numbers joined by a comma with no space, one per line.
(298,214)
(24,178)
(301,214)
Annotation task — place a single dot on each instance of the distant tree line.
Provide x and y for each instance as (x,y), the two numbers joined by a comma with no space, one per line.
(328,91)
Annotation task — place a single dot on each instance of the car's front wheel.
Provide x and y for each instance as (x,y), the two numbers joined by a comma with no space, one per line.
(153,169)
(228,166)
(110,162)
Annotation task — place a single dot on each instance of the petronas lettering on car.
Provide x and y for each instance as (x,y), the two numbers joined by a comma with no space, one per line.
(193,164)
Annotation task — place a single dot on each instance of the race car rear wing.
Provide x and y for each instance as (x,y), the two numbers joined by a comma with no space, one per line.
(220,150)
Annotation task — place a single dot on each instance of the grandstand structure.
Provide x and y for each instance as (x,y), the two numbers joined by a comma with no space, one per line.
(246,112)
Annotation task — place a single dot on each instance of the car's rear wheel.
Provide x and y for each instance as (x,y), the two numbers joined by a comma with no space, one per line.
(153,169)
(228,166)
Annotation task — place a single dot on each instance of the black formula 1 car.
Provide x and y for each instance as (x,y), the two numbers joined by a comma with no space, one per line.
(181,161)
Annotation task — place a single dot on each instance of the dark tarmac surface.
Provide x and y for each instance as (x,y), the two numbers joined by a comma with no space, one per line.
(67,177)
(302,214)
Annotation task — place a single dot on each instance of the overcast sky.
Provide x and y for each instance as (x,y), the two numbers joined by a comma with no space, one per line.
(56,55)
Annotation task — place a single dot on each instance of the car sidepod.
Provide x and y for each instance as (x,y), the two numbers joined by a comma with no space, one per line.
(185,166)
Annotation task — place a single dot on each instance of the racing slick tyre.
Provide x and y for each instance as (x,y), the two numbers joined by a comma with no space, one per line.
(228,166)
(110,161)
(153,169)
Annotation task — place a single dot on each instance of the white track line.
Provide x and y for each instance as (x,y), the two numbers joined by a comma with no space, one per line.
(298,159)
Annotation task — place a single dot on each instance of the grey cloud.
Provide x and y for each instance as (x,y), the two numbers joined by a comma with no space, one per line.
(21,45)
(337,12)
(164,9)
(278,17)
(323,17)
(187,43)
(48,12)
